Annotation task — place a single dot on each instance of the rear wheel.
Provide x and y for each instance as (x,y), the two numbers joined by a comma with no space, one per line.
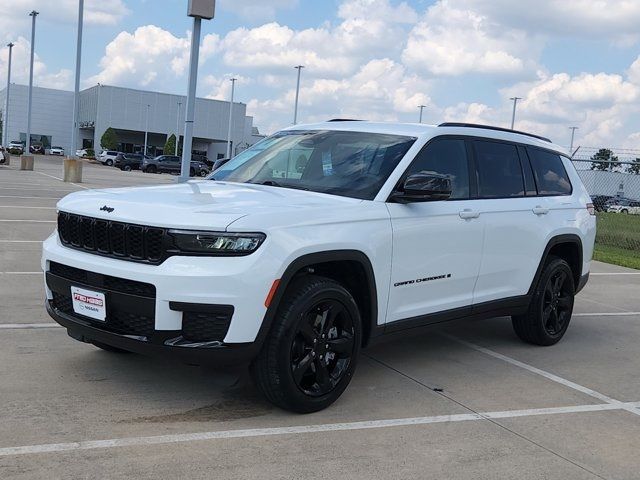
(551,306)
(109,348)
(192,172)
(310,355)
(127,168)
(152,169)
(109,163)
(203,173)
(625,211)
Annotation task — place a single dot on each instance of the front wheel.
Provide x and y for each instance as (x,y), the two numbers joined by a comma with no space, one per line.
(109,163)
(311,353)
(127,168)
(551,306)
(151,169)
(203,173)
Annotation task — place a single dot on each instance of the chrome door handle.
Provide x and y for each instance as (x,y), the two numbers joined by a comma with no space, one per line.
(538,210)
(468,213)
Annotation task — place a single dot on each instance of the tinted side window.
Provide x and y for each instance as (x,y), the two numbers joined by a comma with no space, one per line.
(499,170)
(447,157)
(551,176)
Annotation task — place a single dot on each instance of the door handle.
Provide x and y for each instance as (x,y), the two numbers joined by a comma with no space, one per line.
(467,214)
(538,210)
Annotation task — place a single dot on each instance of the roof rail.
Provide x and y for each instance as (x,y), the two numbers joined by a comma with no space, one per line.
(344,120)
(489,127)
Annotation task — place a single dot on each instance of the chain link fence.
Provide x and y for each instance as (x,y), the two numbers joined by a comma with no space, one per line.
(612,177)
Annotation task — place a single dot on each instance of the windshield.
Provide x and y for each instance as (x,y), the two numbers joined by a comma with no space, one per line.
(351,164)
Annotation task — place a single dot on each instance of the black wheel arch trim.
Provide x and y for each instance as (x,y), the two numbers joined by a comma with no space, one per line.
(310,259)
(569,238)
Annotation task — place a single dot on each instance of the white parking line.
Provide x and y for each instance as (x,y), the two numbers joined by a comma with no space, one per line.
(547,375)
(58,178)
(608,314)
(613,273)
(29,221)
(27,326)
(297,430)
(21,206)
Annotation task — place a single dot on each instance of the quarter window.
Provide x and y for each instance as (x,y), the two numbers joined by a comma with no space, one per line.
(551,176)
(499,170)
(447,156)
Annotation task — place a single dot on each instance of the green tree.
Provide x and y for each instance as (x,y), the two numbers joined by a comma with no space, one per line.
(170,145)
(634,167)
(109,139)
(603,160)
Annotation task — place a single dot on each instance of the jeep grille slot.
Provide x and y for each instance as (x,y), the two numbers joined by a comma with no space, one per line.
(126,241)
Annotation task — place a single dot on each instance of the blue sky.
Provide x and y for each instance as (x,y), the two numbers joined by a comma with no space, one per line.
(573,62)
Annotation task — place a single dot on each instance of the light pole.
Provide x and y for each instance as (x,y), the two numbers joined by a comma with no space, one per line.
(178,128)
(76,92)
(421,107)
(33,16)
(573,135)
(513,116)
(295,109)
(198,9)
(233,87)
(146,132)
(6,100)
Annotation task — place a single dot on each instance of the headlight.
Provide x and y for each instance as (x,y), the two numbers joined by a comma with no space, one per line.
(214,243)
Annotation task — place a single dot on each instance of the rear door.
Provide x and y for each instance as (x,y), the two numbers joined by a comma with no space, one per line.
(517,221)
(437,245)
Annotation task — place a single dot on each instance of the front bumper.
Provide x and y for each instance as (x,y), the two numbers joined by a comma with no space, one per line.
(159,345)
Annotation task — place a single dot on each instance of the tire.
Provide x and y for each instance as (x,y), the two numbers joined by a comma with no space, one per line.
(151,169)
(127,168)
(203,173)
(109,163)
(296,343)
(625,211)
(192,172)
(109,348)
(551,307)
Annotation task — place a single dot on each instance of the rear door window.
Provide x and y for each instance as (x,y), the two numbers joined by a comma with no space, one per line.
(499,170)
(550,174)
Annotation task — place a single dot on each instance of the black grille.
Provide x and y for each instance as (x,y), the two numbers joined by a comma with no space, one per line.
(122,240)
(206,326)
(117,321)
(107,282)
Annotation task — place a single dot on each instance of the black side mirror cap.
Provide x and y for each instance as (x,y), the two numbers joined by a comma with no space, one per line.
(424,187)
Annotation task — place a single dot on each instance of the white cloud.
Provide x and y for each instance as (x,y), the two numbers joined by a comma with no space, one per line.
(20,68)
(454,41)
(220,87)
(148,56)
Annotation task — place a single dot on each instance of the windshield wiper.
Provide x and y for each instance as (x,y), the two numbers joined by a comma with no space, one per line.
(273,183)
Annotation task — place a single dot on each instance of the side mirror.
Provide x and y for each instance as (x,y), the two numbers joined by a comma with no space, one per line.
(424,187)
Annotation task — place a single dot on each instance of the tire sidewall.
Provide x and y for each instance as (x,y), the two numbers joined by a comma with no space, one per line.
(550,270)
(293,317)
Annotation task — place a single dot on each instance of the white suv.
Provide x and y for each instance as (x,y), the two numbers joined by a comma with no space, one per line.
(108,157)
(320,240)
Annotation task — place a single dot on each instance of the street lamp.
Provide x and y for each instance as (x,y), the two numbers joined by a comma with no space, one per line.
(421,107)
(146,132)
(6,100)
(233,87)
(198,9)
(295,109)
(33,16)
(178,128)
(513,116)
(76,92)
(573,135)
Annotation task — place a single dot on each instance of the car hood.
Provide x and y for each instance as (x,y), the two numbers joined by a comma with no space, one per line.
(204,204)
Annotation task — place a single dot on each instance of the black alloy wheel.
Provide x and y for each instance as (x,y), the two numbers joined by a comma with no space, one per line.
(322,348)
(557,303)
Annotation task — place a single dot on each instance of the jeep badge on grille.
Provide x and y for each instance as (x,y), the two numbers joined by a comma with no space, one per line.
(107,209)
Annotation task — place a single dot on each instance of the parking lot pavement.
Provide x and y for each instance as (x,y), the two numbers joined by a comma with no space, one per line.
(464,401)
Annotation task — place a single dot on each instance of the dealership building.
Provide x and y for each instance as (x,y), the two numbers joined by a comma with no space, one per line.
(130,113)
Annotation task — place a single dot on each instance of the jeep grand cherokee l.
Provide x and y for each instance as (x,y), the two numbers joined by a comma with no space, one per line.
(318,241)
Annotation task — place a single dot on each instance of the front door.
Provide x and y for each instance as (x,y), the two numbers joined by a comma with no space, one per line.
(437,246)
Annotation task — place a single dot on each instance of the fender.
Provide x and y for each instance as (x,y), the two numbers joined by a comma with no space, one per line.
(313,259)
(560,239)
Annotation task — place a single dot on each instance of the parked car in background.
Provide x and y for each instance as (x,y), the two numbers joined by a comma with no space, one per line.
(108,157)
(56,151)
(625,206)
(202,159)
(16,148)
(83,152)
(2,156)
(173,164)
(128,161)
(37,149)
(600,202)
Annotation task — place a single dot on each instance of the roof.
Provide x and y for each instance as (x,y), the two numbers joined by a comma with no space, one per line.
(425,131)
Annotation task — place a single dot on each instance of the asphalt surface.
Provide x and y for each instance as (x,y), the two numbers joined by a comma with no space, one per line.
(466,401)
